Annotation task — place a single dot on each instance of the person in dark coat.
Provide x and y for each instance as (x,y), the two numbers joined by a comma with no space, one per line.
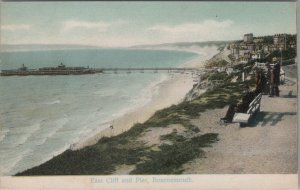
(261,81)
(276,71)
(271,82)
(274,78)
(229,114)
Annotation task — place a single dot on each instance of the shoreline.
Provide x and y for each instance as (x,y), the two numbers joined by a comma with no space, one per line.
(190,140)
(169,92)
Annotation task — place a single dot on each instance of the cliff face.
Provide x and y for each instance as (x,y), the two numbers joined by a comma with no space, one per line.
(219,44)
(195,92)
(204,84)
(220,60)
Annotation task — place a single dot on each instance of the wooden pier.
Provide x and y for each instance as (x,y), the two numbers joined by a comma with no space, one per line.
(142,70)
(62,70)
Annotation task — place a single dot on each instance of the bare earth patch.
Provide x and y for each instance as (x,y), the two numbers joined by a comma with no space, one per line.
(152,139)
(152,136)
(124,169)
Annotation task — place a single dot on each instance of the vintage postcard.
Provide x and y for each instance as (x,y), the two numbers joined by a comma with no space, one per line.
(153,94)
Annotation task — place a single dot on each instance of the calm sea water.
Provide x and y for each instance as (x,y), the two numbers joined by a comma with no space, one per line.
(40,116)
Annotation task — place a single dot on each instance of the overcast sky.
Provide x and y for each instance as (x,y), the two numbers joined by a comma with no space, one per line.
(118,24)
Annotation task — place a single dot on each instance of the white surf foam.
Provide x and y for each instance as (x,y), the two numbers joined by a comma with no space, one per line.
(52,102)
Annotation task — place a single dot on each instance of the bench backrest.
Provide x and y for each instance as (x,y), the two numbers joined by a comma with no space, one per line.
(255,104)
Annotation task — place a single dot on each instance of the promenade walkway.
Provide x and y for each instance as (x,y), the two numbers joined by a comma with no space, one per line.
(267,146)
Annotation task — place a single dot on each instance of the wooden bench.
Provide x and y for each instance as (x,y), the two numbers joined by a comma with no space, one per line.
(254,107)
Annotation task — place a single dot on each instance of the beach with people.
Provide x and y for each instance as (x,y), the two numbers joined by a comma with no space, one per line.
(171,91)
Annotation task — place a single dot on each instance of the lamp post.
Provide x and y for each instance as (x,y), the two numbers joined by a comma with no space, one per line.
(283,73)
(280,56)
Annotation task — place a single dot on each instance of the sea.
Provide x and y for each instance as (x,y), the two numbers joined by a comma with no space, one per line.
(41,116)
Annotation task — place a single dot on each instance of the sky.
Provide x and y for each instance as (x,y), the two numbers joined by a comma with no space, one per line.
(122,24)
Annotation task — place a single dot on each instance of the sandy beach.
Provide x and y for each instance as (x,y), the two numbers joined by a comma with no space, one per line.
(170,91)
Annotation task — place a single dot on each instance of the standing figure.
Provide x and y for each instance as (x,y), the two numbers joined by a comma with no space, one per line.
(271,82)
(260,82)
(276,72)
(268,82)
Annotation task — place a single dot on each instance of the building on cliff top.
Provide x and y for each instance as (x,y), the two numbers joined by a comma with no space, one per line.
(279,41)
(248,38)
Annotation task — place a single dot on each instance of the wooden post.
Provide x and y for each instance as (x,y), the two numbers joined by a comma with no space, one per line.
(243,76)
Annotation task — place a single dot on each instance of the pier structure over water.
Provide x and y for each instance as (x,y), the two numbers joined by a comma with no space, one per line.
(153,69)
(62,70)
